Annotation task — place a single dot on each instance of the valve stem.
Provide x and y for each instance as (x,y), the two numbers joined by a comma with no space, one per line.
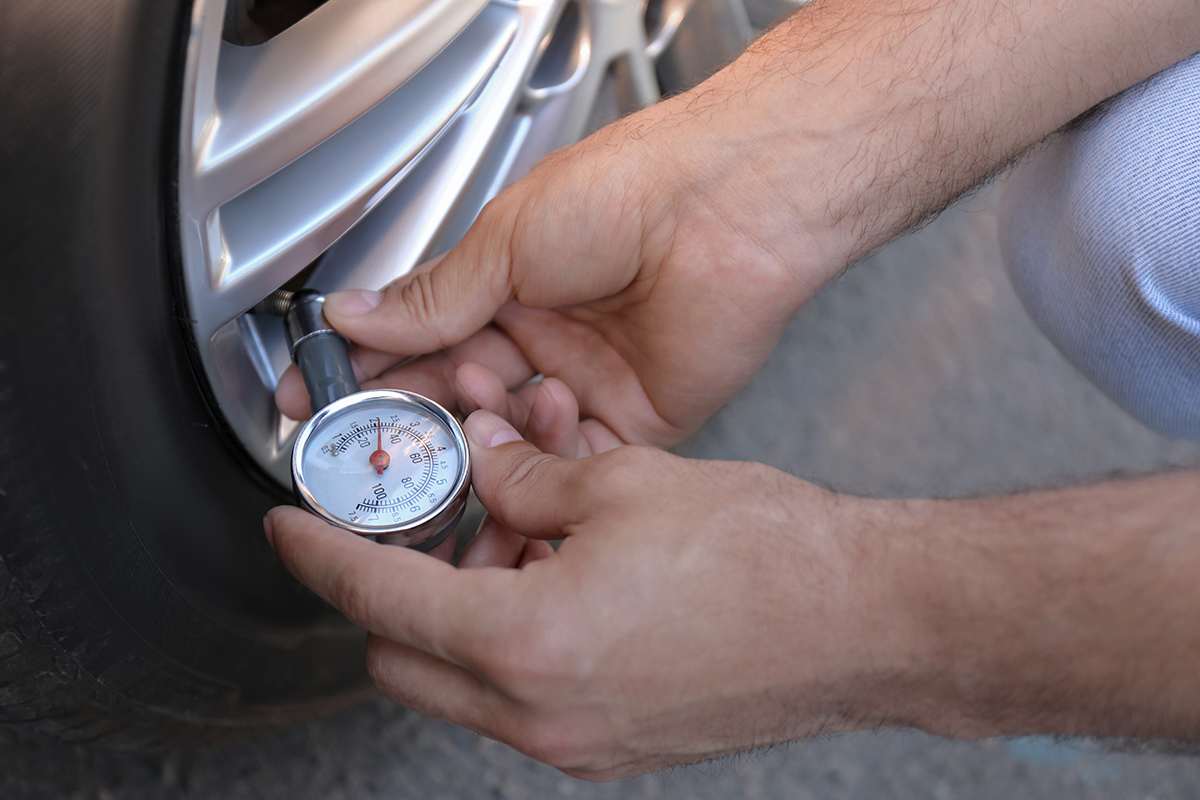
(278,303)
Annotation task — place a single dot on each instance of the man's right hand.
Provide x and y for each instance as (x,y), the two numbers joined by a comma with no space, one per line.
(608,268)
(653,266)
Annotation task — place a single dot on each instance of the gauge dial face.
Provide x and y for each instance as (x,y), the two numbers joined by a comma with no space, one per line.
(381,463)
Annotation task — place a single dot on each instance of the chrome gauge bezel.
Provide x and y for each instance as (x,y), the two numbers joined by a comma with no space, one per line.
(412,532)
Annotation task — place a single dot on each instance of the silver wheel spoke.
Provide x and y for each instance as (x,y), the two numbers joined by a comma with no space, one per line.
(548,115)
(612,37)
(276,101)
(663,18)
(271,232)
(711,35)
(394,239)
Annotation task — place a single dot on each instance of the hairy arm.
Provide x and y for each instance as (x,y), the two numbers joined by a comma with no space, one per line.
(863,118)
(1066,612)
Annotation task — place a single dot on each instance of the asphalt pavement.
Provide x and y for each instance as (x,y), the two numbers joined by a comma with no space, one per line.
(916,374)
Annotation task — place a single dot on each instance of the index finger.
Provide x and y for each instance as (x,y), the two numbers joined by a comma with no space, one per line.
(394,592)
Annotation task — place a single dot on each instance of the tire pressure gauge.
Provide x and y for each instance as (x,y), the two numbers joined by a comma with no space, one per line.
(384,463)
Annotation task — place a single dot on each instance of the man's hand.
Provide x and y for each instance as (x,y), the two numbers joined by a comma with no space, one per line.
(695,608)
(602,269)
(699,608)
(652,266)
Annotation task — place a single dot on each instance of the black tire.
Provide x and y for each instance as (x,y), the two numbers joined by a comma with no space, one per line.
(139,601)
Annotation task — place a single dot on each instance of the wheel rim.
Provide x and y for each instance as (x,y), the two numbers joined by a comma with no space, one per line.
(366,137)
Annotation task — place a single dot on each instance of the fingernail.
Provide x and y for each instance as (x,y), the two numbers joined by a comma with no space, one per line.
(486,429)
(269,530)
(355,303)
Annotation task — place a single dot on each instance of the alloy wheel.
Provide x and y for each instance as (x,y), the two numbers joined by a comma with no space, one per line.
(339,143)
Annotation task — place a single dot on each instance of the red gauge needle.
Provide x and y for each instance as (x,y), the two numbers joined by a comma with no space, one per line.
(380,459)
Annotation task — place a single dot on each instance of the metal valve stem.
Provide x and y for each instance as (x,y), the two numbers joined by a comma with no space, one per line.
(278,303)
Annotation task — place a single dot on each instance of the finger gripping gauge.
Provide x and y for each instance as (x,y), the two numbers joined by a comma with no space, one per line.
(384,463)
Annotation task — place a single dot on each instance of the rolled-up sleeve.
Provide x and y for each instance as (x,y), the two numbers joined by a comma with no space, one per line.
(1101,233)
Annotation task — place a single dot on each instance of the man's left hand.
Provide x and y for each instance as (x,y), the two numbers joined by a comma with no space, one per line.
(694,608)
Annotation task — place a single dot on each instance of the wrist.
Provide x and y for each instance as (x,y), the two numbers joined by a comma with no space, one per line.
(874,652)
(886,544)
(972,584)
(816,639)
(848,124)
(941,611)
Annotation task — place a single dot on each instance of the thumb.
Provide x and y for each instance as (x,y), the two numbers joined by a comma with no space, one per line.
(441,303)
(534,493)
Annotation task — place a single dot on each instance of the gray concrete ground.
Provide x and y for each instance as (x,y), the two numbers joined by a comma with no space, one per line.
(918,373)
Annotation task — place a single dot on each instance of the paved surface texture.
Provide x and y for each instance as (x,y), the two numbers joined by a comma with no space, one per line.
(918,373)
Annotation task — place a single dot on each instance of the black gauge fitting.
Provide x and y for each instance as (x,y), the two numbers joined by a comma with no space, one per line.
(318,350)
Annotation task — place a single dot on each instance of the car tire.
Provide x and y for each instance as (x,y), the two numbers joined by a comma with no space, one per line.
(140,604)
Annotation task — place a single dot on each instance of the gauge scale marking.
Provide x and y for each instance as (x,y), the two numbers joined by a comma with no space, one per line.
(383,462)
(421,463)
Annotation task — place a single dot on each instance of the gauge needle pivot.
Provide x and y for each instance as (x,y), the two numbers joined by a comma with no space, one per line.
(380,459)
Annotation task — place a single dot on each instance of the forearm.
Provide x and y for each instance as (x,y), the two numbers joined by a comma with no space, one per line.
(858,118)
(1066,612)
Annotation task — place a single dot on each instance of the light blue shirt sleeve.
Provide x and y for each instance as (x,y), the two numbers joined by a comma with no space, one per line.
(1101,232)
